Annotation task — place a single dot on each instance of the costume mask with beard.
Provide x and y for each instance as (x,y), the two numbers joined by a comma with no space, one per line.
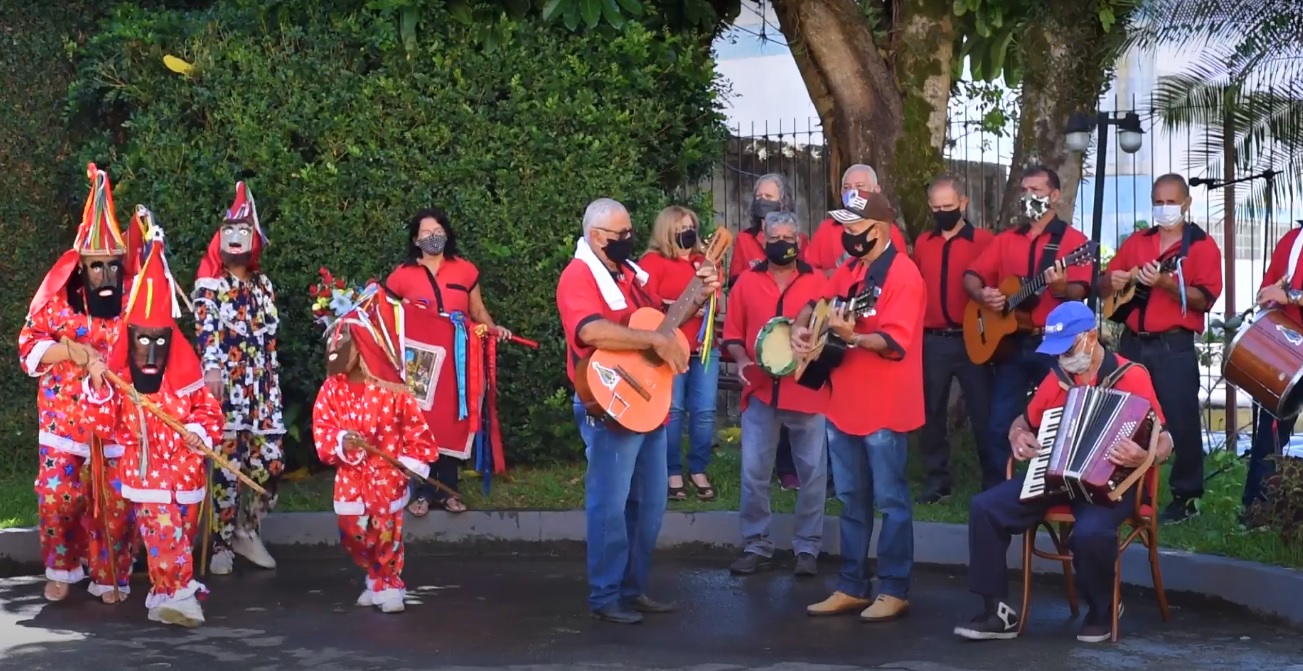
(149,352)
(237,244)
(341,357)
(96,287)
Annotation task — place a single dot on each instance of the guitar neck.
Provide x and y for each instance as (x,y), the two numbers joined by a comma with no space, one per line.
(1031,288)
(679,311)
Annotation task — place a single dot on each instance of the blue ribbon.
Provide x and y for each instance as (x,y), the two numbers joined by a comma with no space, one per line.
(1180,282)
(459,354)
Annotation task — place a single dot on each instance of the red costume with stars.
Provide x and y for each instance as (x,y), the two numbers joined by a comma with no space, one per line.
(163,477)
(82,517)
(372,402)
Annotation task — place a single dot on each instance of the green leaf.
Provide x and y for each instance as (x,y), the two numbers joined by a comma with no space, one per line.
(1106,17)
(517,8)
(961,8)
(461,11)
(611,10)
(591,11)
(571,18)
(633,7)
(553,6)
(407,29)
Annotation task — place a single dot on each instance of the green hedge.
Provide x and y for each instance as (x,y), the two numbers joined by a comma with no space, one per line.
(342,133)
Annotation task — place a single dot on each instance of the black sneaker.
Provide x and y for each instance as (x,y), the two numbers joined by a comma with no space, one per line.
(749,563)
(806,565)
(998,623)
(1098,630)
(1179,510)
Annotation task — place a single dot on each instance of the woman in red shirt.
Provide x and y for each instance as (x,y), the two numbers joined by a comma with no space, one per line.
(436,274)
(671,262)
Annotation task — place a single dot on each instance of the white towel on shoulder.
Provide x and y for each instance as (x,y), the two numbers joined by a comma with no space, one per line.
(605,283)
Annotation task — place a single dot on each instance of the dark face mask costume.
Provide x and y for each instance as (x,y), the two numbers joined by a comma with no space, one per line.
(686,239)
(237,244)
(780,252)
(760,208)
(97,287)
(341,356)
(857,244)
(149,351)
(618,251)
(947,219)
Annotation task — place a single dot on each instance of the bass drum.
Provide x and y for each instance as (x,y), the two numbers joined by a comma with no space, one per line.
(1265,361)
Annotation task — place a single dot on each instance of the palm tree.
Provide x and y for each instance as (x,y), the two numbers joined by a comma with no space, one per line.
(1245,88)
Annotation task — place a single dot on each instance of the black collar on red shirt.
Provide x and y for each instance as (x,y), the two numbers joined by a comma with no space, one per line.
(1107,367)
(801,267)
(1056,225)
(876,274)
(966,232)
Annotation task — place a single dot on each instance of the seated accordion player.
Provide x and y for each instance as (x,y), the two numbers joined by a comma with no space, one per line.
(1075,438)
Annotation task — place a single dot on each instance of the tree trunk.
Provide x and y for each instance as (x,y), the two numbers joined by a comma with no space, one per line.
(1068,60)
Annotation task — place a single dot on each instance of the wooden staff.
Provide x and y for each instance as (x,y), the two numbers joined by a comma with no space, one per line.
(206,519)
(389,459)
(172,423)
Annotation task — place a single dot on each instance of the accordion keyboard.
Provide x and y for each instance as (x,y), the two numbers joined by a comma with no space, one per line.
(1033,486)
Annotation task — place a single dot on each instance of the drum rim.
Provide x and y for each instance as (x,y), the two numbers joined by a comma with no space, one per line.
(780,319)
(1289,387)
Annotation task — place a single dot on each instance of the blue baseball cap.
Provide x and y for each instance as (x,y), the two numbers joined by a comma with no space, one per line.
(1063,325)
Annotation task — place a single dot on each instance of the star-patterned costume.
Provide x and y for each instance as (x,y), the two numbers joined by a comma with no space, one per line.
(80,522)
(160,474)
(376,406)
(236,323)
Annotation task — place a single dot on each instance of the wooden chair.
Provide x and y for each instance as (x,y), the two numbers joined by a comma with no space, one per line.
(1142,524)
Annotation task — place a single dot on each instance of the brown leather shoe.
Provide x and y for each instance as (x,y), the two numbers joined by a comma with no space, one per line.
(837,604)
(884,609)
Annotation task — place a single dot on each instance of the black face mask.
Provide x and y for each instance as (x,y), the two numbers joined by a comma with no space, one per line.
(97,288)
(947,219)
(780,252)
(618,251)
(760,208)
(149,350)
(686,239)
(857,245)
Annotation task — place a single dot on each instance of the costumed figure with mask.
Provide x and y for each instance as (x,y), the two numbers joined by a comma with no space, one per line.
(995,515)
(365,410)
(761,307)
(162,470)
(1174,271)
(825,252)
(236,323)
(876,399)
(82,517)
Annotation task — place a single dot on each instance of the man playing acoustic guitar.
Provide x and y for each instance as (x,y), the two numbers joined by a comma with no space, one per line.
(1024,251)
(627,476)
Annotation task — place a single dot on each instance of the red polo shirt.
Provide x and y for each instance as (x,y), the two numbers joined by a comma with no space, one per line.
(448,290)
(872,391)
(1014,252)
(1202,269)
(1051,394)
(1278,269)
(752,302)
(668,279)
(942,263)
(749,251)
(579,301)
(826,252)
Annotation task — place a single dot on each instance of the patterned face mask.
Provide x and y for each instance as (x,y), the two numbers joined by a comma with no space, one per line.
(1035,206)
(433,243)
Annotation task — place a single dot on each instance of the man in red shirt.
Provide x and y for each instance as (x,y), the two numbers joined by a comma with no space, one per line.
(825,251)
(942,255)
(1271,433)
(1161,322)
(624,489)
(1024,251)
(781,286)
(876,399)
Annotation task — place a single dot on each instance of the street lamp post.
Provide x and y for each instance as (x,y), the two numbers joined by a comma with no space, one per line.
(1130,139)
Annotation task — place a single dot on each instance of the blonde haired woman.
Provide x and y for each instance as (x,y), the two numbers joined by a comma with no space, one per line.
(671,261)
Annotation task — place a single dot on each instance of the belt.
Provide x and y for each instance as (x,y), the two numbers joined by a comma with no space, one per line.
(1150,336)
(944,333)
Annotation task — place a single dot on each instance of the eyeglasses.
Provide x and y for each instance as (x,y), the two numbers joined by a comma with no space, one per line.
(619,235)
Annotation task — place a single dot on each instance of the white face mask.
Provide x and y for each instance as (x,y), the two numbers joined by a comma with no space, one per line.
(1168,216)
(1077,362)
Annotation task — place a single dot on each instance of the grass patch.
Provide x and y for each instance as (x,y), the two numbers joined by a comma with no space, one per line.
(561,487)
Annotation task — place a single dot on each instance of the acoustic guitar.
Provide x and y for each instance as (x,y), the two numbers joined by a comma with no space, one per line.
(814,370)
(986,331)
(1117,307)
(631,388)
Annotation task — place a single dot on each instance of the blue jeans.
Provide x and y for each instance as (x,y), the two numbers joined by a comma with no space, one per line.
(624,501)
(695,393)
(1013,381)
(869,471)
(760,424)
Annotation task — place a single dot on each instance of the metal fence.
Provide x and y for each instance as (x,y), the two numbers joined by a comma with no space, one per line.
(796,148)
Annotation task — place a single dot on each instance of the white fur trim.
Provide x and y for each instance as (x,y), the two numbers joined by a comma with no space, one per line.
(33,361)
(189,497)
(154,599)
(420,468)
(199,430)
(69,446)
(339,451)
(183,497)
(92,397)
(390,595)
(343,507)
(397,504)
(71,577)
(97,589)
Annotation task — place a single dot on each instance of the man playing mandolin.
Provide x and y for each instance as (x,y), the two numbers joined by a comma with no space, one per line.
(627,478)
(1172,275)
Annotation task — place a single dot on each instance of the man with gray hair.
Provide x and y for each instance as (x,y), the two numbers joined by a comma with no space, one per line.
(624,489)
(826,250)
(773,293)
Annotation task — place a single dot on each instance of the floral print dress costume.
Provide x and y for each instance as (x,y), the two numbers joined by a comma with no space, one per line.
(236,323)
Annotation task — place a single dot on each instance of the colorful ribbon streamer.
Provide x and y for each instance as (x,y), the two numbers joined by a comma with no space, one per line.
(459,354)
(707,333)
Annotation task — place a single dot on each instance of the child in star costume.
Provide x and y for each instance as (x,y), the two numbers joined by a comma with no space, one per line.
(81,521)
(365,398)
(236,323)
(162,472)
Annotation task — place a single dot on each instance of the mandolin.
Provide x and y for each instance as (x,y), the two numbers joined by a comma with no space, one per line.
(986,331)
(1117,307)
(632,389)
(814,370)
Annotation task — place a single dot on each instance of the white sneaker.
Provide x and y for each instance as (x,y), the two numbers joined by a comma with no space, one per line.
(393,606)
(249,546)
(222,563)
(184,612)
(367,599)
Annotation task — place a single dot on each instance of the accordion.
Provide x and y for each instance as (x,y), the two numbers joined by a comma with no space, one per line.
(1074,440)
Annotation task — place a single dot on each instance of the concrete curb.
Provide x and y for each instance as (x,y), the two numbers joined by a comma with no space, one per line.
(1268,590)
